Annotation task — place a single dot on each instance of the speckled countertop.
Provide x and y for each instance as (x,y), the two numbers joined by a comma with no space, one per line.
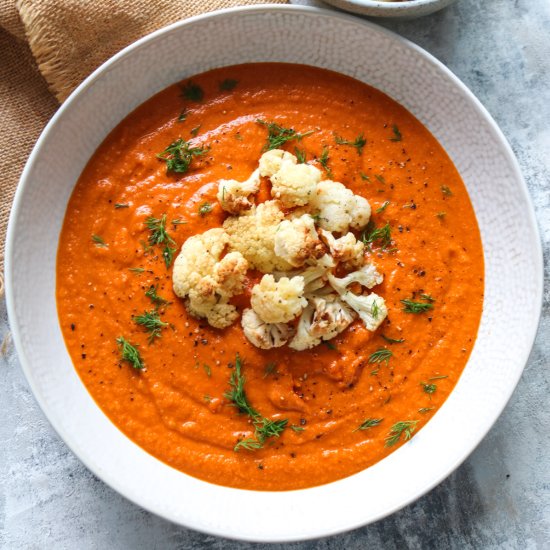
(499,498)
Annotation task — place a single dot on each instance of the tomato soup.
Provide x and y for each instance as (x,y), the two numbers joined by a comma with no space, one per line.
(348,404)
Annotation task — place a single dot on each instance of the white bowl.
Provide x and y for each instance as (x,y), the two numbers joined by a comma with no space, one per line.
(406,9)
(364,51)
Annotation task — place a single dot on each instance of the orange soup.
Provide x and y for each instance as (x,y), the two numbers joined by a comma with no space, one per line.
(341,406)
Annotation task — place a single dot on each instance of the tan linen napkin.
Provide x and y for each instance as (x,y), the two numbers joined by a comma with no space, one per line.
(47,47)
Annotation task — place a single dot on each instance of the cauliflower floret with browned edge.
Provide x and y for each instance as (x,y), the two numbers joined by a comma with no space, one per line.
(234,196)
(337,208)
(296,241)
(347,249)
(315,276)
(271,161)
(366,276)
(278,301)
(295,184)
(207,280)
(331,317)
(253,235)
(264,335)
(303,338)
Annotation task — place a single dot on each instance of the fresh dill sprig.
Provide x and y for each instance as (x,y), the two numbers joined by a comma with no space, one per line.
(194,131)
(380,178)
(396,134)
(192,91)
(364,177)
(428,388)
(250,444)
(383,207)
(266,428)
(368,423)
(359,142)
(278,135)
(428,298)
(150,320)
(205,208)
(159,235)
(375,310)
(300,155)
(119,205)
(381,355)
(425,410)
(330,345)
(380,235)
(228,84)
(270,368)
(99,241)
(136,269)
(182,116)
(323,161)
(129,353)
(405,428)
(416,307)
(295,428)
(446,190)
(392,340)
(179,155)
(236,394)
(207,370)
(154,297)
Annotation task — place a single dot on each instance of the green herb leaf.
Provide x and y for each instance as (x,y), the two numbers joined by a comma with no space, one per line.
(330,345)
(297,428)
(416,307)
(405,428)
(179,221)
(425,410)
(150,320)
(192,91)
(278,135)
(154,297)
(359,142)
(380,355)
(195,130)
(182,116)
(119,205)
(136,269)
(380,178)
(383,207)
(270,368)
(446,191)
(368,423)
(441,215)
(237,394)
(207,370)
(428,388)
(99,242)
(300,155)
(364,176)
(392,340)
(179,155)
(396,134)
(428,298)
(129,353)
(228,84)
(205,208)
(380,235)
(323,161)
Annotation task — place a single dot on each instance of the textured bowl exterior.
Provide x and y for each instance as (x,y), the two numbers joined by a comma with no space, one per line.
(408,9)
(438,99)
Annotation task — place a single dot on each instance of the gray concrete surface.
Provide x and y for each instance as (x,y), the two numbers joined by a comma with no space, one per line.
(499,498)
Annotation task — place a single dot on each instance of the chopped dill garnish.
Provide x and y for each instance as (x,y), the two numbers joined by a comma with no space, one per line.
(364,176)
(380,235)
(428,388)
(425,410)
(383,207)
(380,178)
(416,307)
(427,297)
(446,191)
(441,377)
(270,368)
(129,353)
(154,297)
(278,135)
(228,84)
(99,241)
(182,116)
(295,428)
(150,320)
(179,155)
(207,370)
(178,221)
(396,134)
(330,345)
(159,235)
(195,130)
(368,423)
(119,205)
(375,310)
(205,208)
(392,340)
(323,161)
(207,398)
(441,215)
(136,269)
(359,142)
(380,355)
(300,155)
(264,428)
(192,91)
(405,428)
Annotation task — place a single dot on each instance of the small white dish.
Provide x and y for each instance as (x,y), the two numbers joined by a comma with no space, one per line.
(404,9)
(513,262)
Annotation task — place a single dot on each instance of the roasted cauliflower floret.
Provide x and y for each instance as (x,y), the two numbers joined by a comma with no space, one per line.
(234,196)
(264,335)
(371,309)
(278,301)
(347,249)
(297,241)
(294,184)
(303,338)
(208,281)
(253,235)
(367,276)
(271,161)
(338,208)
(331,317)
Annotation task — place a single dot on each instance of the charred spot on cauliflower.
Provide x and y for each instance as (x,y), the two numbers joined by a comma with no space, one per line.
(234,196)
(278,301)
(347,249)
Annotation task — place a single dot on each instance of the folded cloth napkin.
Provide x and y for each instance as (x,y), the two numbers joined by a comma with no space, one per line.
(47,47)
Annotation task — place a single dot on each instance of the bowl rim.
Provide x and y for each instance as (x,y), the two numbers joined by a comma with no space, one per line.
(107,477)
(390,5)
